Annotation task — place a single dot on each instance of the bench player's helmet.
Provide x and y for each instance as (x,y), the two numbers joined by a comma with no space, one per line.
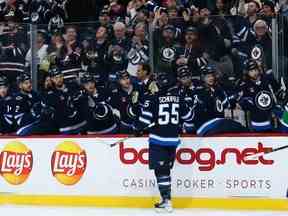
(122,75)
(54,71)
(3,81)
(183,72)
(207,69)
(251,69)
(22,78)
(165,80)
(87,78)
(250,64)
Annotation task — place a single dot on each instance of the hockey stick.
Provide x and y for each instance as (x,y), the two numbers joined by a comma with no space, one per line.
(131,136)
(273,94)
(254,156)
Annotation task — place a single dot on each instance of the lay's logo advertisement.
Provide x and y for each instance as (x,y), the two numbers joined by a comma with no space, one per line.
(16,162)
(68,163)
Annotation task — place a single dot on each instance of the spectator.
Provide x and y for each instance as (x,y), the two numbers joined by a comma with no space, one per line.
(216,40)
(268,12)
(140,49)
(263,39)
(10,10)
(221,8)
(192,53)
(252,10)
(161,18)
(268,8)
(96,56)
(104,18)
(120,38)
(256,44)
(116,10)
(284,7)
(55,46)
(166,48)
(41,50)
(12,51)
(185,35)
(41,11)
(68,60)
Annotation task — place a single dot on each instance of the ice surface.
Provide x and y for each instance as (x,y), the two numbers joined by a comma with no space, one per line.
(56,211)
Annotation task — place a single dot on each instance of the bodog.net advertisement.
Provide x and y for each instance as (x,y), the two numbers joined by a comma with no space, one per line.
(204,167)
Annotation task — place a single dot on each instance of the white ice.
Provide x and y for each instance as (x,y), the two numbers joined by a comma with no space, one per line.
(56,211)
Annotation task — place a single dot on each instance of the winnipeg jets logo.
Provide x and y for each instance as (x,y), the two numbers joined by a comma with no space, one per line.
(168,54)
(34,16)
(264,100)
(219,106)
(256,53)
(134,57)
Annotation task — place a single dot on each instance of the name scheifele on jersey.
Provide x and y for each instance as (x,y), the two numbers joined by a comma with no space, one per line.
(169,111)
(169,99)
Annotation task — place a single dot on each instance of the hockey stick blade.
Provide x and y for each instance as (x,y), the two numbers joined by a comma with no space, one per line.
(254,156)
(121,140)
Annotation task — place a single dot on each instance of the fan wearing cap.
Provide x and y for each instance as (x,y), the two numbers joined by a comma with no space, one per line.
(125,101)
(6,107)
(25,100)
(66,101)
(105,21)
(192,52)
(99,115)
(258,96)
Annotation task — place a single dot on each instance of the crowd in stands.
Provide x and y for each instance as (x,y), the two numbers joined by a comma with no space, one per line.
(114,41)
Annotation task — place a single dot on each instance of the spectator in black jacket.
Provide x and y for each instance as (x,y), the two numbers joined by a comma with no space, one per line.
(96,56)
(216,39)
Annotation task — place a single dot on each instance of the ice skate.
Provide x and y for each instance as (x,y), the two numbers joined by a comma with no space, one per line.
(165,206)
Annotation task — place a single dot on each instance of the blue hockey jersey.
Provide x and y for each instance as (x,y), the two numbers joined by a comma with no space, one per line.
(168,111)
